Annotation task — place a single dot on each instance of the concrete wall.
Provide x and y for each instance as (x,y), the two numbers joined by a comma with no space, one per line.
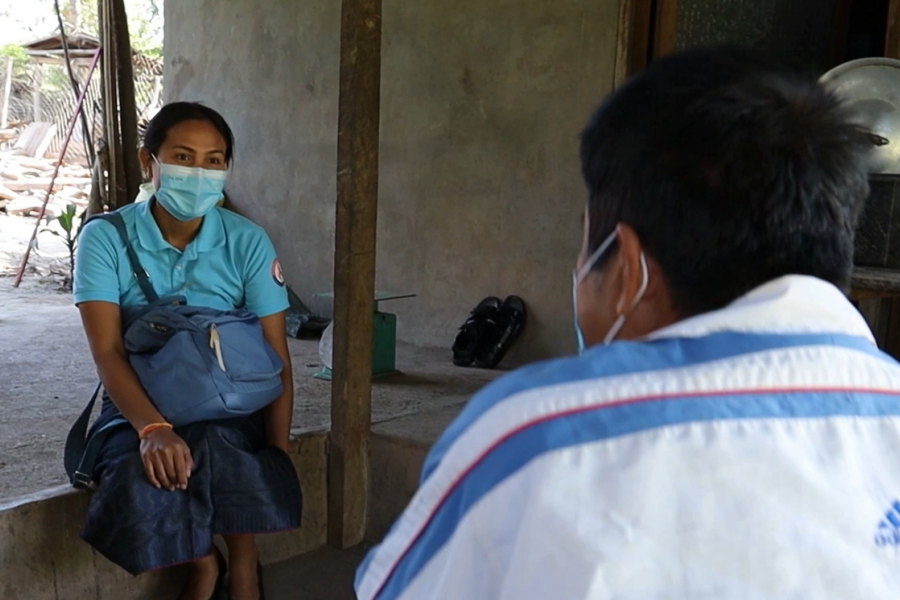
(483,102)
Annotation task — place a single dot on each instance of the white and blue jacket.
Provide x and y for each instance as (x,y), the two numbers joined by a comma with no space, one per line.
(751,453)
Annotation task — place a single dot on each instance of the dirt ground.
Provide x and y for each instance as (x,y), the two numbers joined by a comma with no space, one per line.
(44,360)
(47,376)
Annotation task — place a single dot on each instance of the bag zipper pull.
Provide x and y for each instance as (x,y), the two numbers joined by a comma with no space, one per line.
(216,344)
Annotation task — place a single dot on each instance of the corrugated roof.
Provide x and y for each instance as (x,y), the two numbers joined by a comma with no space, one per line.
(77,41)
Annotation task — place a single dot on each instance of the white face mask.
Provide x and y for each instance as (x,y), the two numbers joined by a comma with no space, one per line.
(189,193)
(580,274)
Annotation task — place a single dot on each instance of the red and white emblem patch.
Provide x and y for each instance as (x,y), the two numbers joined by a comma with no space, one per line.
(277,273)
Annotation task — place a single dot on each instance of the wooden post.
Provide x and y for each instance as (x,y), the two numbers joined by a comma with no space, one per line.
(354,270)
(892,39)
(116,174)
(120,114)
(632,39)
(36,92)
(666,30)
(127,105)
(7,91)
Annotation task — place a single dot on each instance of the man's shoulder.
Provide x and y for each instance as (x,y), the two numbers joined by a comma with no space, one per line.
(650,379)
(601,361)
(563,376)
(550,380)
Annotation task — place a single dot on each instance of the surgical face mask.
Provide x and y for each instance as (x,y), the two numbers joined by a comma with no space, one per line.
(580,274)
(189,193)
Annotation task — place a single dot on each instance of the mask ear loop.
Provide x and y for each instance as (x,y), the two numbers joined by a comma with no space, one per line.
(581,273)
(620,322)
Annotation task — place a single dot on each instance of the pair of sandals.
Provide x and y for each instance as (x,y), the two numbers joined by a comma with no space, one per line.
(220,592)
(489,332)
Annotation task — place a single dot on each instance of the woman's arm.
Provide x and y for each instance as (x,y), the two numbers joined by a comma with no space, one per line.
(104,333)
(167,459)
(279,413)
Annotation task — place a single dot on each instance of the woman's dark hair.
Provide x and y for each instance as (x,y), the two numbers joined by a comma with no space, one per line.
(172,114)
(733,171)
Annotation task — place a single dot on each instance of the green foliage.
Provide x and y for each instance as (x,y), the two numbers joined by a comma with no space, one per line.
(84,11)
(20,59)
(67,222)
(145,22)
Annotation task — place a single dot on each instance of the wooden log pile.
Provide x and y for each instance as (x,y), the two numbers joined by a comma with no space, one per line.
(24,181)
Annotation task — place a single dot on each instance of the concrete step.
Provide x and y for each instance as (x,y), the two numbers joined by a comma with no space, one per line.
(325,574)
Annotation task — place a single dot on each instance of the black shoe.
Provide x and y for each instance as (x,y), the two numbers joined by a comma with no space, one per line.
(499,335)
(220,589)
(471,333)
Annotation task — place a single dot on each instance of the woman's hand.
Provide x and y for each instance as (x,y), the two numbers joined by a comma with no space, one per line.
(279,413)
(167,459)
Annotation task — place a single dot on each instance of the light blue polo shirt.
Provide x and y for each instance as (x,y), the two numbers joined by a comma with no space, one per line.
(230,264)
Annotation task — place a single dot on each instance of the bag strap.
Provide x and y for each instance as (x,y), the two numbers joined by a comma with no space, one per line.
(81,451)
(84,474)
(116,220)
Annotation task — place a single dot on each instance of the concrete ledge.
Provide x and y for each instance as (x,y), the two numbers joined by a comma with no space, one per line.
(42,556)
(309,452)
(395,464)
(397,449)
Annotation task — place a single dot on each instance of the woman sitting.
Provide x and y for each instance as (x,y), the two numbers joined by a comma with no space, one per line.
(163,493)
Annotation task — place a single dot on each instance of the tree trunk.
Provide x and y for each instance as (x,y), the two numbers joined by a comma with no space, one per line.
(76,15)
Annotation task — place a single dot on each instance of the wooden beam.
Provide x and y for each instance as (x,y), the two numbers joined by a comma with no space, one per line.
(892,39)
(37,114)
(120,114)
(127,105)
(116,177)
(354,270)
(666,29)
(633,39)
(5,93)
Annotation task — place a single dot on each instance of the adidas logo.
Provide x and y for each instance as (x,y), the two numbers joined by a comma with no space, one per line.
(888,533)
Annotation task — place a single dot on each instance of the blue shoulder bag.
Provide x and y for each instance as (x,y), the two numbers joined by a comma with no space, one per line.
(195,363)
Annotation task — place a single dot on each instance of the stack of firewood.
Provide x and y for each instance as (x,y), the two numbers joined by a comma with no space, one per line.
(24,181)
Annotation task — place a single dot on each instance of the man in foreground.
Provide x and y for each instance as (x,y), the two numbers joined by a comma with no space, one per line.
(732,431)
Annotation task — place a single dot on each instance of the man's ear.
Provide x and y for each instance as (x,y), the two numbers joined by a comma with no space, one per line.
(632,271)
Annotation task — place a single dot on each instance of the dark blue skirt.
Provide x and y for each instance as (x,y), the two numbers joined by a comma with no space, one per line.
(239,485)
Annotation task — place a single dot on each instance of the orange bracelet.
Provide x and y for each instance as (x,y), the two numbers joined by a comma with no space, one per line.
(153,427)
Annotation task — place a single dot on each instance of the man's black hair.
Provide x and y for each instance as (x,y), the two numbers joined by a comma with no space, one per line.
(732,169)
(174,113)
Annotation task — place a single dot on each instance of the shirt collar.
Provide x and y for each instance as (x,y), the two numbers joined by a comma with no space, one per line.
(210,236)
(790,304)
